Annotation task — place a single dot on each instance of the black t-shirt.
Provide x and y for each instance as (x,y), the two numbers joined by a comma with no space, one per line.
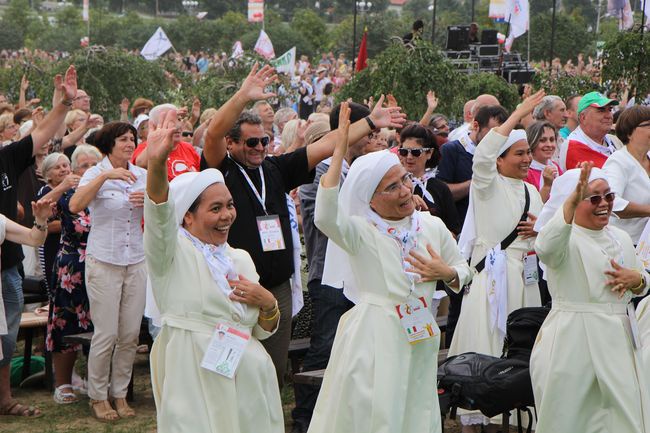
(14,159)
(456,167)
(443,205)
(281,174)
(28,185)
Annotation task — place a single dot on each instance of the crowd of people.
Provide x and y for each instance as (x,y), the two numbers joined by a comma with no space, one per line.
(196,218)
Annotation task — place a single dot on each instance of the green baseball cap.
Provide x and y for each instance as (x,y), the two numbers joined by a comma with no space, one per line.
(595,99)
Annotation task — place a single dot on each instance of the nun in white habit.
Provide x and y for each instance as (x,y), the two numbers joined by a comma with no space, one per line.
(381,376)
(200,282)
(586,365)
(497,203)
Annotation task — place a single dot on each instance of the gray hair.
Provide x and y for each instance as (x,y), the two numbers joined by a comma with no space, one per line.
(258,104)
(81,150)
(283,115)
(546,105)
(156,114)
(50,161)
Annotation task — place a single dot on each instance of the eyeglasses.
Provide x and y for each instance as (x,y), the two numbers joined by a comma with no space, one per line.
(596,199)
(187,134)
(403,151)
(254,141)
(406,180)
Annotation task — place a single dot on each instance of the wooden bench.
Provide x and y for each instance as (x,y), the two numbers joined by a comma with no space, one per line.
(30,322)
(84,339)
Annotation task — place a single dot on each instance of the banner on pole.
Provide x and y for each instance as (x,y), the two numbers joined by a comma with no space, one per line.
(263,46)
(622,10)
(237,50)
(286,63)
(84,12)
(497,10)
(156,46)
(518,13)
(255,11)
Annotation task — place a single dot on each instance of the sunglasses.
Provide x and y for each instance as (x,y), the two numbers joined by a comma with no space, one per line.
(415,152)
(254,141)
(596,199)
(187,134)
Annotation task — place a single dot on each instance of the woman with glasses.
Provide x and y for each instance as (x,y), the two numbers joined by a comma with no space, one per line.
(388,257)
(69,311)
(542,138)
(420,156)
(587,361)
(628,171)
(497,238)
(113,190)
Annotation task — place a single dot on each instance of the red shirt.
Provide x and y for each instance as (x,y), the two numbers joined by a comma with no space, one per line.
(181,160)
(578,152)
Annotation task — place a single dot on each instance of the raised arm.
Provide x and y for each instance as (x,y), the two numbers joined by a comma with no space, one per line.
(381,117)
(252,89)
(70,181)
(523,110)
(42,210)
(432,104)
(159,143)
(66,88)
(72,138)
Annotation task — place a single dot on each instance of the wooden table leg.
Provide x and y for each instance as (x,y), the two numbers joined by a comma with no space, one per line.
(27,356)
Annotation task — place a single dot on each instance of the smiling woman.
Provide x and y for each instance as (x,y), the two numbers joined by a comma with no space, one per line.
(542,138)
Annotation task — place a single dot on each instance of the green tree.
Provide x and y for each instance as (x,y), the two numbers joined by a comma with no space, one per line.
(308,24)
(626,59)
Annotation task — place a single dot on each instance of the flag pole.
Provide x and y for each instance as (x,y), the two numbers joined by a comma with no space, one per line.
(354,39)
(504,45)
(553,24)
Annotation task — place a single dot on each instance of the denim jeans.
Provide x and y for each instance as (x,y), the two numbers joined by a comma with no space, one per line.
(12,297)
(328,305)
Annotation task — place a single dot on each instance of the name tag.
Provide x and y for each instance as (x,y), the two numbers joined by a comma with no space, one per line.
(225,351)
(531,275)
(416,319)
(270,233)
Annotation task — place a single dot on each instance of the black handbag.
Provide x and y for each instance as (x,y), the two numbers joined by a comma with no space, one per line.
(522,328)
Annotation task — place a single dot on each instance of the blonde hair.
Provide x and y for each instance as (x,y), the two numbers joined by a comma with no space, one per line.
(289,132)
(72,116)
(6,119)
(50,161)
(208,113)
(84,149)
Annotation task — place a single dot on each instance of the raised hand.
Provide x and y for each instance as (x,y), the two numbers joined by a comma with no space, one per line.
(24,83)
(432,100)
(93,121)
(391,101)
(69,83)
(161,138)
(432,268)
(124,105)
(623,279)
(196,108)
(37,115)
(530,103)
(343,130)
(569,207)
(387,117)
(42,209)
(252,89)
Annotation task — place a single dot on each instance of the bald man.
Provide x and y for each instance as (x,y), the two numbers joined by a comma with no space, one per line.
(467,119)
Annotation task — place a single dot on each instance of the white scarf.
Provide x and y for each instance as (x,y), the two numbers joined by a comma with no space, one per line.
(297,300)
(607,148)
(220,265)
(496,267)
(422,183)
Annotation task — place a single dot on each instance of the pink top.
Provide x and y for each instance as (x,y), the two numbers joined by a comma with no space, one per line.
(535,175)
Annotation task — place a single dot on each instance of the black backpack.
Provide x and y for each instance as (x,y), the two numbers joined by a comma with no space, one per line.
(522,327)
(486,383)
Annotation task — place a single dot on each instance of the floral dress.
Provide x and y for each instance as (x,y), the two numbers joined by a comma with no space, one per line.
(69,306)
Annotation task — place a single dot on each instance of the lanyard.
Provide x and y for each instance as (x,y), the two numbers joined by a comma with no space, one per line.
(260,198)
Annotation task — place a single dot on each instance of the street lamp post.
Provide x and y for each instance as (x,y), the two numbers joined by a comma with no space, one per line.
(190,5)
(432,7)
(361,6)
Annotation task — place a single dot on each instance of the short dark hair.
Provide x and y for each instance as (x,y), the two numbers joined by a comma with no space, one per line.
(246,117)
(105,137)
(629,120)
(418,24)
(21,114)
(357,112)
(425,137)
(484,114)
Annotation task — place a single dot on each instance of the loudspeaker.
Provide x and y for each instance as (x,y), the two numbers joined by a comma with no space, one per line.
(489,37)
(457,38)
(520,77)
(488,51)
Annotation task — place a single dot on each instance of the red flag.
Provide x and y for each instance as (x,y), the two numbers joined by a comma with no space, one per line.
(362,58)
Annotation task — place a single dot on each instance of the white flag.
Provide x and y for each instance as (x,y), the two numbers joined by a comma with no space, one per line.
(156,46)
(84,11)
(517,12)
(286,62)
(237,51)
(263,46)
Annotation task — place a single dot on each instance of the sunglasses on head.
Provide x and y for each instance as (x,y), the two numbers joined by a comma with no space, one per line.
(596,199)
(403,151)
(254,141)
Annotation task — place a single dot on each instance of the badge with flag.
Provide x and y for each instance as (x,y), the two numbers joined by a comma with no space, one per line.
(263,46)
(156,46)
(286,62)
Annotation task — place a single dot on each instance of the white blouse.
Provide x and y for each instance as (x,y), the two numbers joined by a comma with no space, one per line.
(116,233)
(631,183)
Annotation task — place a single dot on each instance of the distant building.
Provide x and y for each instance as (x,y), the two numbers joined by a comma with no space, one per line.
(396,5)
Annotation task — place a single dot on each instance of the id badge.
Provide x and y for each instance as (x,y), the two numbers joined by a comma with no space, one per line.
(416,319)
(531,276)
(270,233)
(225,351)
(634,326)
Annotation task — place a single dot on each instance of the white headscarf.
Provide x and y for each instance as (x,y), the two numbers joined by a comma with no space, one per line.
(562,188)
(467,237)
(187,187)
(354,200)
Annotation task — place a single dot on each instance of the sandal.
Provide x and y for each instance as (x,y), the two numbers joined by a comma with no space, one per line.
(64,397)
(103,411)
(122,407)
(16,409)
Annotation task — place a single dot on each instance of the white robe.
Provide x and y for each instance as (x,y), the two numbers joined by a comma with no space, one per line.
(376,382)
(498,204)
(188,397)
(586,374)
